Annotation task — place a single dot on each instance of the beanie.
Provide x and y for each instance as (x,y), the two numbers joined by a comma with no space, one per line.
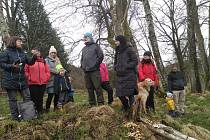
(59,67)
(52,49)
(169,94)
(147,53)
(89,34)
(122,39)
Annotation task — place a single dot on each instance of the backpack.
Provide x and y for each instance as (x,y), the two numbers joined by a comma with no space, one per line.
(27,110)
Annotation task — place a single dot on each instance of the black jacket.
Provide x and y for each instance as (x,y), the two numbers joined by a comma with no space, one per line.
(62,84)
(176,81)
(92,56)
(14,78)
(125,66)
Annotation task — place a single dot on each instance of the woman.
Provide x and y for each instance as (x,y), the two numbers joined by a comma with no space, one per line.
(38,76)
(12,61)
(125,66)
(52,60)
(147,69)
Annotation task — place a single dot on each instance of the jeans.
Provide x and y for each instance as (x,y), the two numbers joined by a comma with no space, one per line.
(12,98)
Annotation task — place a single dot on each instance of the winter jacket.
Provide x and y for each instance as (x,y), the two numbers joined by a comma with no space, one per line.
(104,72)
(14,78)
(170,104)
(147,71)
(53,72)
(125,64)
(175,81)
(92,56)
(62,84)
(38,74)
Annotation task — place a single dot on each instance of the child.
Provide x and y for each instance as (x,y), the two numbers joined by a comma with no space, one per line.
(170,104)
(62,86)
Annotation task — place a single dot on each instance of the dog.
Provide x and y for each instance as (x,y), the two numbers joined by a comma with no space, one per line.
(141,98)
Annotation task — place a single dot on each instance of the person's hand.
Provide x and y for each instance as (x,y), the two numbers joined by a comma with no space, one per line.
(15,66)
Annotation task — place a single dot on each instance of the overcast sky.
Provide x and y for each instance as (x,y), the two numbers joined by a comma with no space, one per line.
(70,28)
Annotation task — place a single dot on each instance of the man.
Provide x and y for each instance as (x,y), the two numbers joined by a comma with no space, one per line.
(92,57)
(176,86)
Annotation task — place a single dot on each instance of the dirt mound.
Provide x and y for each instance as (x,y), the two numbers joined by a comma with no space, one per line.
(196,132)
(100,111)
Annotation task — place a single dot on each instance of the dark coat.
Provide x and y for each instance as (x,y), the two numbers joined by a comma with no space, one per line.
(176,81)
(125,65)
(14,78)
(92,56)
(62,84)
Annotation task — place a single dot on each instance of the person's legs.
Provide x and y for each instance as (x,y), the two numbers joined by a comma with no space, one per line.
(40,96)
(13,103)
(96,80)
(124,101)
(49,100)
(61,99)
(56,98)
(176,100)
(131,100)
(150,99)
(181,101)
(90,88)
(34,95)
(106,86)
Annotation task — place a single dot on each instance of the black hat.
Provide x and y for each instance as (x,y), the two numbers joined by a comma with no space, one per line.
(147,53)
(122,39)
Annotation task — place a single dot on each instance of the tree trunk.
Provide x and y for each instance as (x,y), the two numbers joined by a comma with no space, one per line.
(200,41)
(195,79)
(3,26)
(154,43)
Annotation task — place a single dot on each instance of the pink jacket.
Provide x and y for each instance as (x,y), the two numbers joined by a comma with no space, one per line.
(104,72)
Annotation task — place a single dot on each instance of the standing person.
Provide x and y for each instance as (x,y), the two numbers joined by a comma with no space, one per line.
(62,86)
(52,60)
(147,69)
(12,61)
(38,76)
(105,82)
(125,64)
(92,57)
(176,85)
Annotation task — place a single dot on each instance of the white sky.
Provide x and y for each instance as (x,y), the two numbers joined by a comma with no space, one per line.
(71,27)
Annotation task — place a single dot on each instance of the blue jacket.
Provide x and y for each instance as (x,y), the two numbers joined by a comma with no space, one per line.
(14,78)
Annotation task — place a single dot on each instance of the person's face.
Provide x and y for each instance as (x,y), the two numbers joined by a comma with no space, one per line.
(19,43)
(86,39)
(147,57)
(53,54)
(62,72)
(36,52)
(117,43)
(174,69)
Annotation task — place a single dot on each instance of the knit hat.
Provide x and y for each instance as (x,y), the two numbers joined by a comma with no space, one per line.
(88,34)
(169,94)
(59,67)
(147,53)
(122,39)
(52,49)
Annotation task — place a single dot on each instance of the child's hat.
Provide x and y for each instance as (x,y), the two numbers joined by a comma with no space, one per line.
(169,94)
(59,67)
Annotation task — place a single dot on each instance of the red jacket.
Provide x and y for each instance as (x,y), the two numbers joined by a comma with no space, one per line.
(148,71)
(37,74)
(104,72)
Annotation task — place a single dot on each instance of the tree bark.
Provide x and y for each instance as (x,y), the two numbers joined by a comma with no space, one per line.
(3,26)
(154,43)
(195,79)
(200,42)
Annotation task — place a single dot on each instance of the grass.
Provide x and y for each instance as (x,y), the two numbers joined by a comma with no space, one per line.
(197,113)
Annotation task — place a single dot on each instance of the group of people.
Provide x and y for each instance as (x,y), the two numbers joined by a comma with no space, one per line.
(32,76)
(129,70)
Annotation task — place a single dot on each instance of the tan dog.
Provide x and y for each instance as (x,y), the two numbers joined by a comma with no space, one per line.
(141,98)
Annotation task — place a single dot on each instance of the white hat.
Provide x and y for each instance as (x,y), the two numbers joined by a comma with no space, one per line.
(169,94)
(52,49)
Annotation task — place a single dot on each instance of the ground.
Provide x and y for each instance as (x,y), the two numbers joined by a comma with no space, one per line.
(80,121)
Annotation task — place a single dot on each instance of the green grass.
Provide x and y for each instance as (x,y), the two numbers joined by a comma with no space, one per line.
(4,108)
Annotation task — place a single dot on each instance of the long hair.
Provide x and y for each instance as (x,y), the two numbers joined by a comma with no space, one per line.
(12,41)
